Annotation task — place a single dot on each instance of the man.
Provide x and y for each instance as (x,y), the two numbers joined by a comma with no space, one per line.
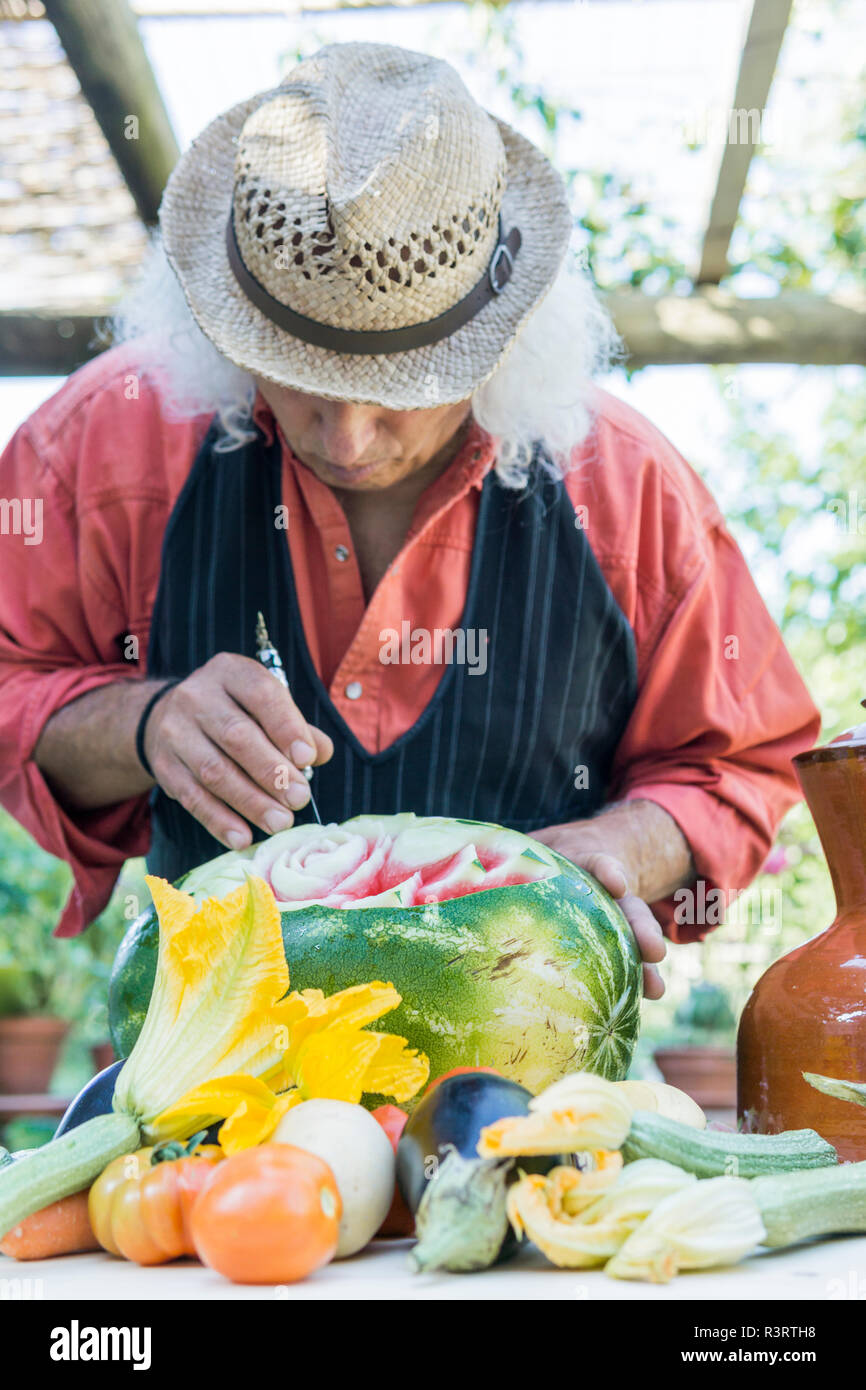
(368,257)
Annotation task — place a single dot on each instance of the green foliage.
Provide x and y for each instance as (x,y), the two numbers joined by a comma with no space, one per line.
(39,973)
(626,240)
(705,1015)
(28,1132)
(792,236)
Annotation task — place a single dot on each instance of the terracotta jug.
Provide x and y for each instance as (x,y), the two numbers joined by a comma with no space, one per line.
(808,1011)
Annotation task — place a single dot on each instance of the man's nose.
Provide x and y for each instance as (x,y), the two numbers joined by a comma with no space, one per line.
(347,431)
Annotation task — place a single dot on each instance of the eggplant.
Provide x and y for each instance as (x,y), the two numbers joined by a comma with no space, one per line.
(453,1115)
(93,1099)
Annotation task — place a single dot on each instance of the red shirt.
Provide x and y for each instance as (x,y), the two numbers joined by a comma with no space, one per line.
(720,709)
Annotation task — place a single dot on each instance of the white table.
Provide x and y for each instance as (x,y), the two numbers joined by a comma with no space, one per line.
(826,1271)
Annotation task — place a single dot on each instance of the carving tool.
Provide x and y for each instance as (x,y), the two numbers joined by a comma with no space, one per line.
(270,659)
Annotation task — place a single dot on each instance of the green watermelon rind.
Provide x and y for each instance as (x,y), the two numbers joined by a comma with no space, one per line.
(545,977)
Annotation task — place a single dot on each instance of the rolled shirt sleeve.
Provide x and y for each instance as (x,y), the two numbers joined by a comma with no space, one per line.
(58,640)
(721,709)
(719,717)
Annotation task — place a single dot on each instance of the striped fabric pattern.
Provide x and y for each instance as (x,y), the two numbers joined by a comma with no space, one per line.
(528,743)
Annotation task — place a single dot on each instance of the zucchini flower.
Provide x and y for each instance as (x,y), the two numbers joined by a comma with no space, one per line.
(715,1221)
(217,1006)
(575,1234)
(327,1056)
(579,1112)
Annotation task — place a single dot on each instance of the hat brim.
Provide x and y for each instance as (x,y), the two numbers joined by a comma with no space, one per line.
(193,215)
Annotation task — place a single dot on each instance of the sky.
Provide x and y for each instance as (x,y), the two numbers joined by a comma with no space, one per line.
(641,71)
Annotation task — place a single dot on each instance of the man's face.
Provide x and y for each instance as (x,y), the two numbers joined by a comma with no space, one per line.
(361,447)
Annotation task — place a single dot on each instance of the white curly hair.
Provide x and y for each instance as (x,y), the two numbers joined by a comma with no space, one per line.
(541,391)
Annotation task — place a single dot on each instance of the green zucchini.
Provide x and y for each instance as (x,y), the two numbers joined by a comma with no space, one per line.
(797,1206)
(714,1153)
(63,1166)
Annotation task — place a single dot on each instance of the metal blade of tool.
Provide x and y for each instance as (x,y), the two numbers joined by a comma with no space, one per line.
(270,659)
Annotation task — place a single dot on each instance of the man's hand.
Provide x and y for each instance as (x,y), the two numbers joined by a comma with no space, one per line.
(230,742)
(639,854)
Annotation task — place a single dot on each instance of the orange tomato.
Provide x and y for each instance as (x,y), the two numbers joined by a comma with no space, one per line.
(140,1209)
(399,1221)
(459,1071)
(268,1215)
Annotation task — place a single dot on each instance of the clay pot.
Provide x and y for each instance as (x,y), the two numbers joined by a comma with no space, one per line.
(707,1074)
(29,1049)
(807,1013)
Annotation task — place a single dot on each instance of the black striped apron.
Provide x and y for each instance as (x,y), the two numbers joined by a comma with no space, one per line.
(528,743)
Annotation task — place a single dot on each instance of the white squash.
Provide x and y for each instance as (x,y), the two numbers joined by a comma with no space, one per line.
(359,1154)
(665,1100)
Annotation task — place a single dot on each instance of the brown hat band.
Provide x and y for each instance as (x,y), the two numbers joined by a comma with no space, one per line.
(365,341)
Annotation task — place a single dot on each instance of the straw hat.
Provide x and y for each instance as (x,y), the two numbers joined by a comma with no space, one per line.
(365,231)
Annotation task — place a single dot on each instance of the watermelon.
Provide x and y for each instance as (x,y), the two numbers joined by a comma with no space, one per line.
(506,955)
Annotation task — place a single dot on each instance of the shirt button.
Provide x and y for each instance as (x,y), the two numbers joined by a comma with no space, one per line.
(354,690)
(341,552)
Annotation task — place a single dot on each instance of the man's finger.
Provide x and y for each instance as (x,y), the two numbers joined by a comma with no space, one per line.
(249,748)
(647,932)
(324,746)
(230,784)
(607,870)
(178,783)
(271,705)
(653,984)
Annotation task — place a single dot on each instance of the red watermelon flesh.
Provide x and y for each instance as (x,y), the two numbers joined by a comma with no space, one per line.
(411,864)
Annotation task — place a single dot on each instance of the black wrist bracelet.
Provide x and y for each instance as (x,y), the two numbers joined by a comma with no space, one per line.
(142,723)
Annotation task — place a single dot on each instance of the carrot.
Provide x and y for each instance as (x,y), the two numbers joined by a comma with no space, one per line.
(63,1228)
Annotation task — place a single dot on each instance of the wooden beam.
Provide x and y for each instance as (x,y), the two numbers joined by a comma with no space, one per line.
(712,326)
(45,345)
(742,131)
(104,47)
(708,326)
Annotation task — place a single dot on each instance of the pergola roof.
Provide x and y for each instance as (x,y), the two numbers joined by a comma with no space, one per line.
(76,193)
(70,233)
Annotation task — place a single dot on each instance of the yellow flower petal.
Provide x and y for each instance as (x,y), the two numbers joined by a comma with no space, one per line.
(253,1123)
(218,1005)
(333,1064)
(396,1070)
(354,1007)
(214,1100)
(250,1109)
(343,1063)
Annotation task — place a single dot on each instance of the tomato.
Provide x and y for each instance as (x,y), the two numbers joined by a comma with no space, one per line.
(140,1205)
(399,1221)
(268,1215)
(393,1121)
(459,1071)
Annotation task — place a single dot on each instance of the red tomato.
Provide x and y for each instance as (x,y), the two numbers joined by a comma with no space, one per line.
(393,1121)
(268,1215)
(399,1221)
(459,1071)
